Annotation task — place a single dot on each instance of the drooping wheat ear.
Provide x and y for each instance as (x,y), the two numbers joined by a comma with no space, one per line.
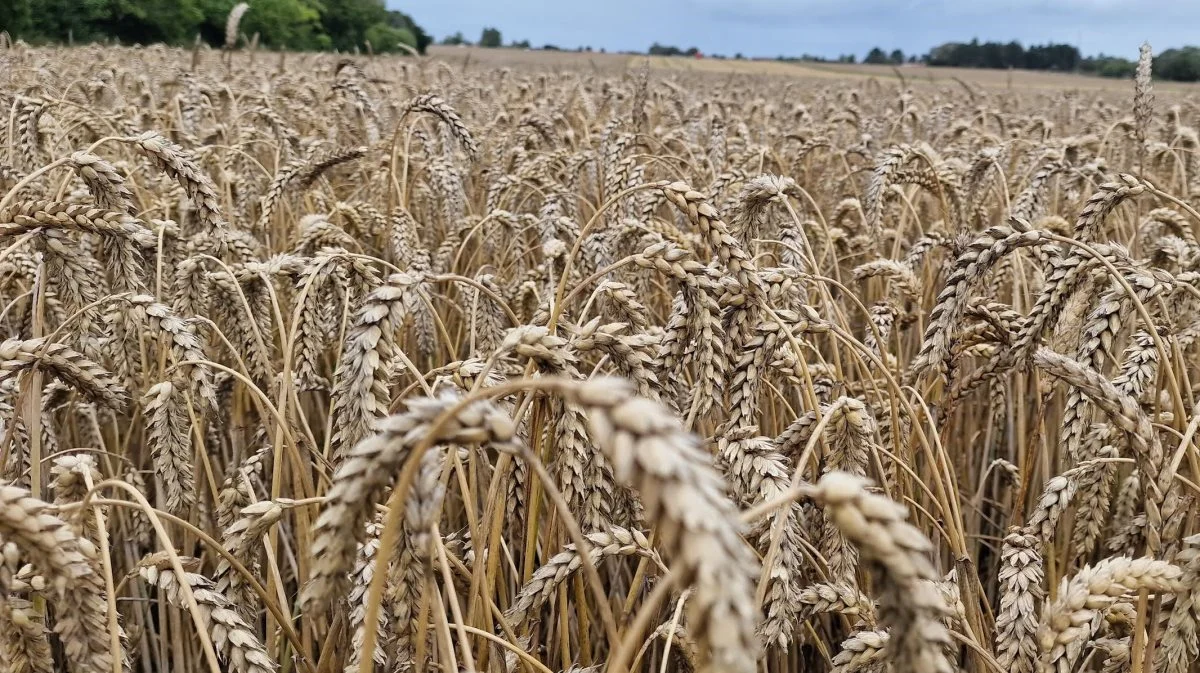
(1126,414)
(317,165)
(283,177)
(1068,622)
(1094,495)
(28,138)
(940,181)
(797,434)
(630,353)
(407,576)
(317,233)
(446,181)
(169,434)
(232,22)
(544,584)
(1143,96)
(1030,203)
(886,166)
(1056,497)
(756,196)
(25,647)
(132,315)
(87,377)
(883,317)
(1175,222)
(360,583)
(360,392)
(1020,578)
(1126,522)
(1066,277)
(242,539)
(620,302)
(717,148)
(104,182)
(698,527)
(585,478)
(851,430)
(491,322)
(123,240)
(974,181)
(716,233)
(241,484)
(967,271)
(1096,345)
(910,604)
(757,473)
(366,470)
(70,474)
(348,82)
(764,347)
(407,251)
(862,651)
(241,305)
(278,124)
(842,599)
(1180,644)
(72,572)
(706,346)
(330,273)
(903,282)
(1107,197)
(435,105)
(29,215)
(233,638)
(182,167)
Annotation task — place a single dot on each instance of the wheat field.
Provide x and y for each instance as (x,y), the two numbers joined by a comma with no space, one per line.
(317,363)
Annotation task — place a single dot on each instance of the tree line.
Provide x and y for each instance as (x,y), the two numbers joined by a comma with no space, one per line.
(345,25)
(492,38)
(1180,65)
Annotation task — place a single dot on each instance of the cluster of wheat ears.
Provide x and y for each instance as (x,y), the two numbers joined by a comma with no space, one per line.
(318,364)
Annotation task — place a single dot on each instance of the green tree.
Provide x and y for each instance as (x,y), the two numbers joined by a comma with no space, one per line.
(16,16)
(346,21)
(490,38)
(896,57)
(280,24)
(149,21)
(455,39)
(403,21)
(384,38)
(876,56)
(62,19)
(1180,65)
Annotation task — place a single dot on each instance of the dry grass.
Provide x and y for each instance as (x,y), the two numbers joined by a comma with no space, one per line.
(493,361)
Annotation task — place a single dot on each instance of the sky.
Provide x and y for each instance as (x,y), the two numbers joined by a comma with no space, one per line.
(828,28)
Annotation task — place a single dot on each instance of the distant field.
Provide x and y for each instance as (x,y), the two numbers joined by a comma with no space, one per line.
(1026,79)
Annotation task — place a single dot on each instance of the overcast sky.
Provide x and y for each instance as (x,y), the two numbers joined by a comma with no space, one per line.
(822,27)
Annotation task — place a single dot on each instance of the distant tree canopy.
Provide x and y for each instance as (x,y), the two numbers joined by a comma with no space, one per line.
(490,38)
(878,56)
(1181,64)
(657,49)
(282,24)
(975,54)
